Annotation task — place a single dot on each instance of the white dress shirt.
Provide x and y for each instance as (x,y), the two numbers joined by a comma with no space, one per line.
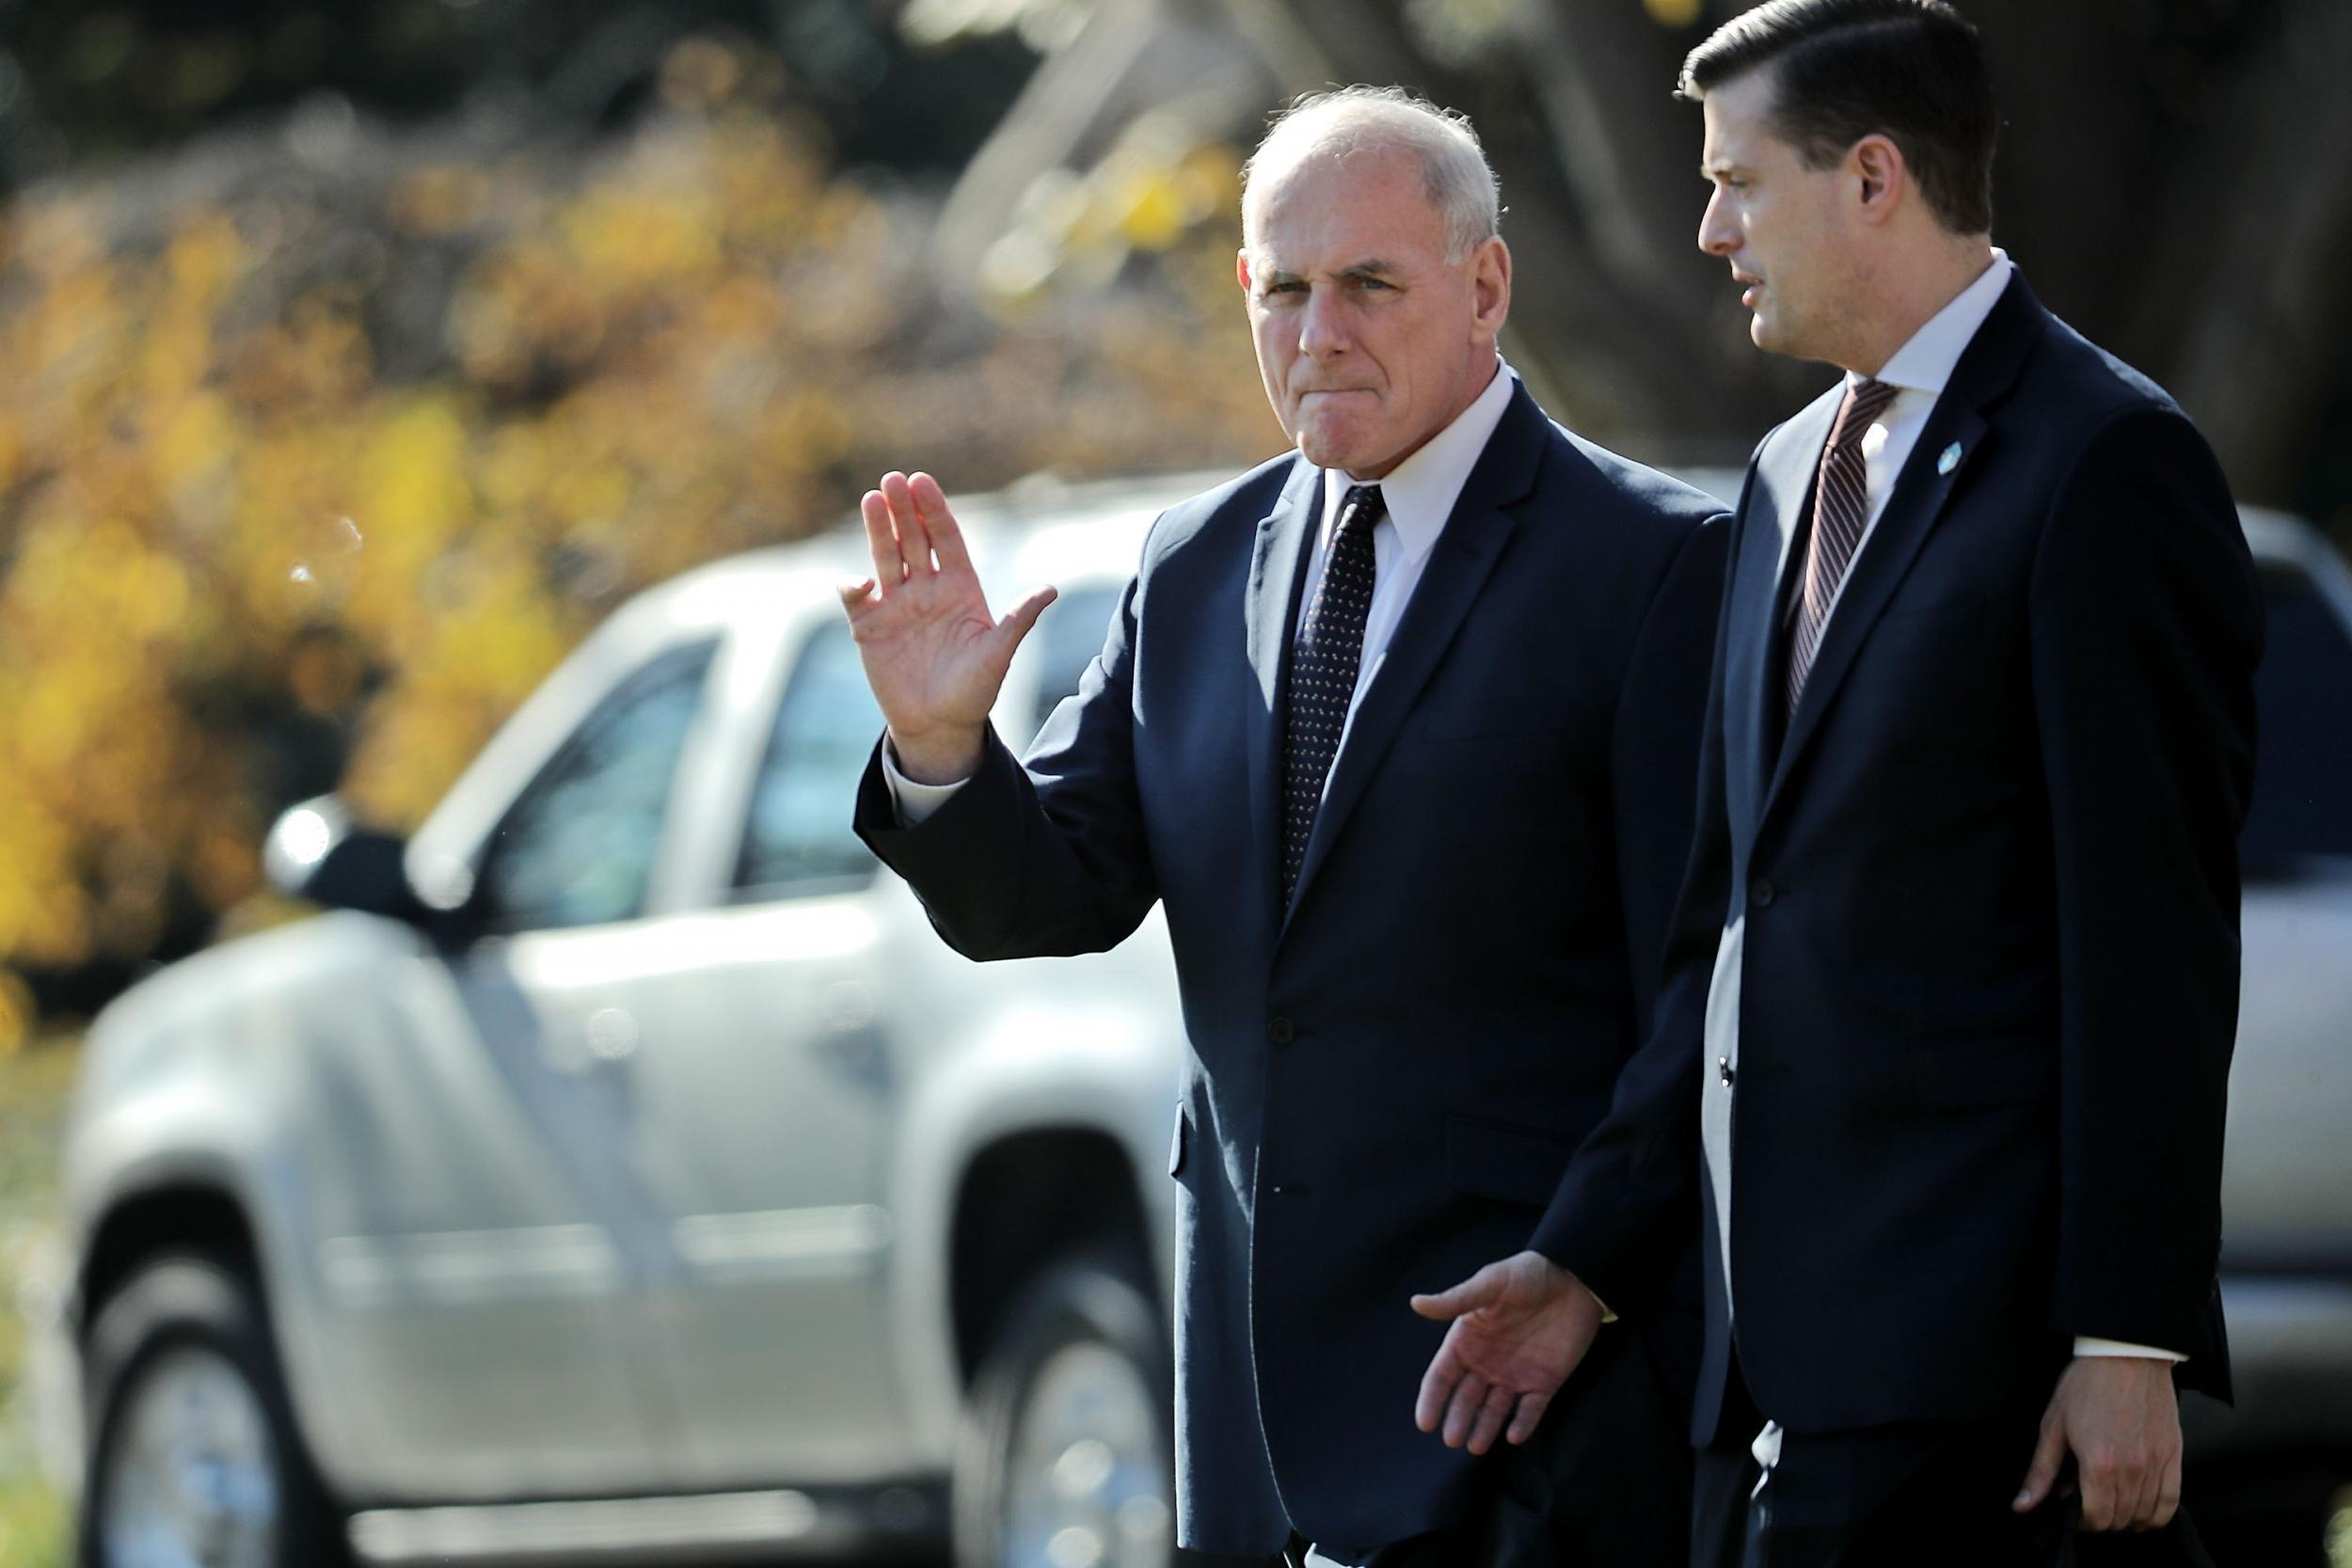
(1919,370)
(1419,494)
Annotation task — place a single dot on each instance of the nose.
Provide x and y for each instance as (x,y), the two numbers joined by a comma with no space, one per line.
(1718,234)
(1323,326)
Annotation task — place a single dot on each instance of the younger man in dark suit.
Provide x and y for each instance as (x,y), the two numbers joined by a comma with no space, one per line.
(1400,730)
(1952,986)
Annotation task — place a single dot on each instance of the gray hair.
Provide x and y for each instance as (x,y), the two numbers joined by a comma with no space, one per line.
(1345,120)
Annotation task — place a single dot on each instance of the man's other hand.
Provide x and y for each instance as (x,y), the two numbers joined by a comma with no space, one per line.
(1519,1328)
(2121,1420)
(932,653)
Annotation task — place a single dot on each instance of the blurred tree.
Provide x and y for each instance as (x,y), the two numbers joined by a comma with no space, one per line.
(321,442)
(84,83)
(2167,180)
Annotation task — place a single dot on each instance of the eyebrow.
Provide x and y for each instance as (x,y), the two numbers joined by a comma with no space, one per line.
(1275,278)
(1714,166)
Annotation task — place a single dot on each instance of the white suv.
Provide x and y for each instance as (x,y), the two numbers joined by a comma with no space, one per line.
(625,1168)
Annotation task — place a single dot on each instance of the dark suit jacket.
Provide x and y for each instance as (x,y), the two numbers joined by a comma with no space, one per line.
(1991,892)
(1387,1079)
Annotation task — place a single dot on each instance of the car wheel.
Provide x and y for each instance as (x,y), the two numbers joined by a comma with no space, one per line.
(196,1459)
(1064,1461)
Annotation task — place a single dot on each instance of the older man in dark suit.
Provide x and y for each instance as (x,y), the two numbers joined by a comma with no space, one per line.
(1952,988)
(1400,729)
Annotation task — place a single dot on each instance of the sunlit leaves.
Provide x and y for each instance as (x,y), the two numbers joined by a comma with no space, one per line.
(231,535)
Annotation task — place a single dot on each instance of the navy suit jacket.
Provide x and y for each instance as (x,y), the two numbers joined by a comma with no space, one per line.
(1386,1079)
(1990,885)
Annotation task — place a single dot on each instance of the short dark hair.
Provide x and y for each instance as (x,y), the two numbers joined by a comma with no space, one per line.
(1910,70)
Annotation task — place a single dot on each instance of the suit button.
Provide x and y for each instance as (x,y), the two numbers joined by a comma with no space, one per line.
(1726,1070)
(1761,894)
(1280,1032)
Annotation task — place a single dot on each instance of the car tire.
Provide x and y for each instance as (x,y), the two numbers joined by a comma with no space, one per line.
(1065,1454)
(194,1441)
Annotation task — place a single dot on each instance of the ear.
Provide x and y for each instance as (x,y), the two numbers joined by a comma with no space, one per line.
(1876,164)
(1491,284)
(1241,268)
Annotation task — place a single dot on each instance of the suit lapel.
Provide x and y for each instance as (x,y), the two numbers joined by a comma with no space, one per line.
(1984,375)
(1286,536)
(1779,491)
(1459,565)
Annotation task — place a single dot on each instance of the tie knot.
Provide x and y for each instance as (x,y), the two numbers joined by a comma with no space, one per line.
(1865,400)
(1362,501)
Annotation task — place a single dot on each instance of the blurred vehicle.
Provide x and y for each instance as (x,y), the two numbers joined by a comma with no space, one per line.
(624,1168)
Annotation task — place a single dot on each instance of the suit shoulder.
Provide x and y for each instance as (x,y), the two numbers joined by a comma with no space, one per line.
(1237,505)
(2075,379)
(1648,497)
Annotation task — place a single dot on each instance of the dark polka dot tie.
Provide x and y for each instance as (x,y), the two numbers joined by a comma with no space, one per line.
(1329,652)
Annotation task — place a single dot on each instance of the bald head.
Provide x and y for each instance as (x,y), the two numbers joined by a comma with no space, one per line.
(1363,122)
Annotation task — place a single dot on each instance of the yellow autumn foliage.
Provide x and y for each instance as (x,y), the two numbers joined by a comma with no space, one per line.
(220,517)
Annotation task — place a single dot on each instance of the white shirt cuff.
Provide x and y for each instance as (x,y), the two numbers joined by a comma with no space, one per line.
(2086,1345)
(915,801)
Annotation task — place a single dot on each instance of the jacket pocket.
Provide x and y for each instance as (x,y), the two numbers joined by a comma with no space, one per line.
(1503,1161)
(1968,1075)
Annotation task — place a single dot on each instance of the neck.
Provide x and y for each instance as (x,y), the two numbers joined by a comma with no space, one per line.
(1912,290)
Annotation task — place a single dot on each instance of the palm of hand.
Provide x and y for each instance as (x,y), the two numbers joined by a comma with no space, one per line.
(932,654)
(1518,1328)
(929,649)
(1523,1338)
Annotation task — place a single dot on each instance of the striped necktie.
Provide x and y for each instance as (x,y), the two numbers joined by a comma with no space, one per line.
(1841,509)
(1323,665)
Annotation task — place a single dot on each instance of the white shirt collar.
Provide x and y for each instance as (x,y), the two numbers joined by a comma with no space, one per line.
(1925,364)
(1421,491)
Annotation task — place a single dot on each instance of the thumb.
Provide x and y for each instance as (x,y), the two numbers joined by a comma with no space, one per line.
(2048,1454)
(1020,618)
(1479,1290)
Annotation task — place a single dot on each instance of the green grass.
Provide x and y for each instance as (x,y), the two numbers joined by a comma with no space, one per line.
(35,1526)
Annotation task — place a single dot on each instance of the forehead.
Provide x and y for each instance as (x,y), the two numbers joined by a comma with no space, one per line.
(1739,119)
(1326,208)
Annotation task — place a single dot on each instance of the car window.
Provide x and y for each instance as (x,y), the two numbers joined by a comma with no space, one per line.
(797,838)
(2303,709)
(578,848)
(1068,639)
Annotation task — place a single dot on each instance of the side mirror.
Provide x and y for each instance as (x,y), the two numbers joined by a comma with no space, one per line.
(314,852)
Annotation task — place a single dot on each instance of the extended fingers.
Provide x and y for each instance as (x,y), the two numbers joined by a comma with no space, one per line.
(2048,1454)
(881,538)
(913,545)
(1531,1411)
(1476,1291)
(1462,1412)
(941,535)
(1436,1386)
(1492,1411)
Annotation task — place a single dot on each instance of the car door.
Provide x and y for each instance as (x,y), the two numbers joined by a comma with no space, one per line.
(821,991)
(496,1244)
(2285,1207)
(764,1091)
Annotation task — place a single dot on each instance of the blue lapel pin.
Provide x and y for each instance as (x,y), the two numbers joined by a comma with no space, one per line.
(1948,459)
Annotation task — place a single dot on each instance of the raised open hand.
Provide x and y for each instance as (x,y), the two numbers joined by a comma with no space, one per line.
(933,655)
(1521,1326)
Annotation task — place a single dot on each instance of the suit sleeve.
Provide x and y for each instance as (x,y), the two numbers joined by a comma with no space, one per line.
(1046,858)
(1627,1209)
(1654,751)
(2146,627)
